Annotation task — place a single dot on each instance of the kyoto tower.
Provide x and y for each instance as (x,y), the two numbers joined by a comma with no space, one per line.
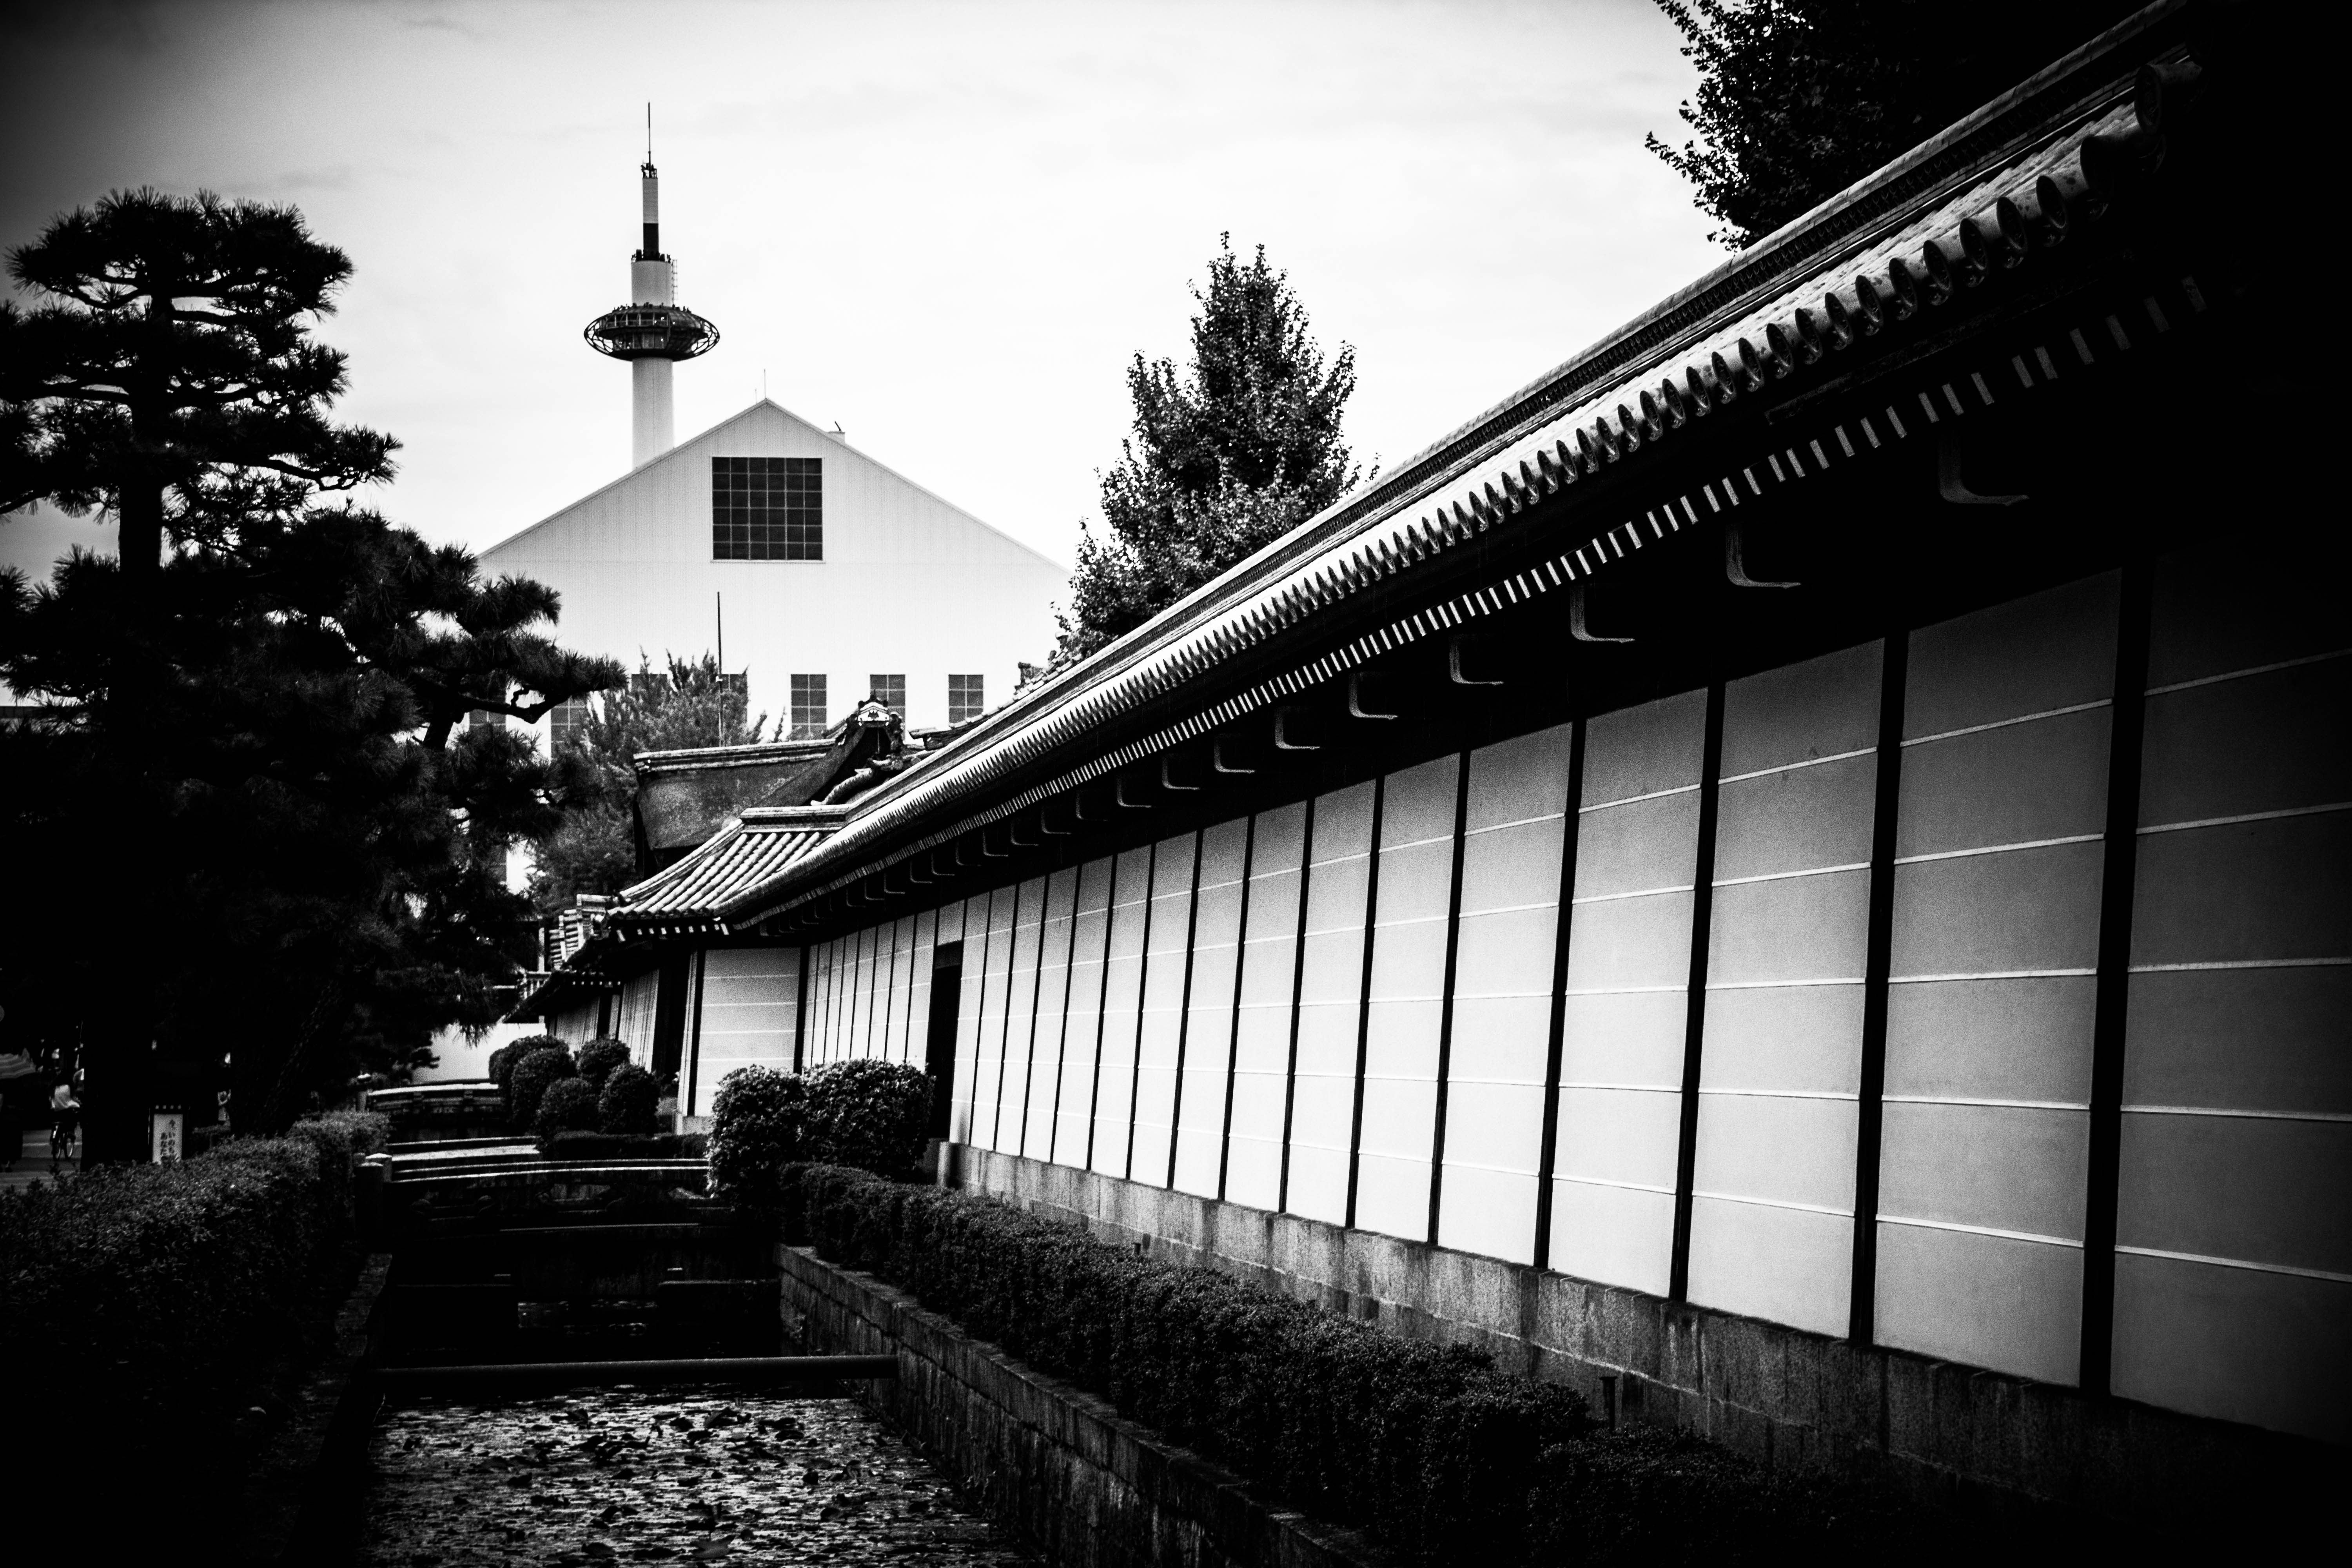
(653,331)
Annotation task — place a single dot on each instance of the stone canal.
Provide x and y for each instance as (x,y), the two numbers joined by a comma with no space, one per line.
(669,1475)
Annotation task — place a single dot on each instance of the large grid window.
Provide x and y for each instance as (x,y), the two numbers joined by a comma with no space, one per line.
(808,707)
(964,702)
(891,691)
(767,508)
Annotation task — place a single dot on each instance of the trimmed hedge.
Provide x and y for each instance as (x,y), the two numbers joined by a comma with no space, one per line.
(531,1075)
(599,1057)
(503,1060)
(1427,1447)
(869,1115)
(568,1106)
(629,1100)
(144,1306)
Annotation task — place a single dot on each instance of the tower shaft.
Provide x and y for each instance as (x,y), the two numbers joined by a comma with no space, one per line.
(653,423)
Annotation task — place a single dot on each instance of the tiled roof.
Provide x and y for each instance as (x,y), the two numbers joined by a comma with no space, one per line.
(1992,194)
(742,855)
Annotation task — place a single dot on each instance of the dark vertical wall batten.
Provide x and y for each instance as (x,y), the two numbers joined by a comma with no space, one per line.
(1445,1016)
(1548,1157)
(1870,1108)
(2113,985)
(1694,1039)
(1364,1000)
(1297,986)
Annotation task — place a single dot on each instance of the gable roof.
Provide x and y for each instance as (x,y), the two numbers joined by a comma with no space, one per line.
(753,411)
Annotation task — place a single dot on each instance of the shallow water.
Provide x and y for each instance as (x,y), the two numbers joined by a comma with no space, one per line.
(664,1475)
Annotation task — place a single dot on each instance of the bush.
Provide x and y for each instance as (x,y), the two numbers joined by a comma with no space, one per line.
(599,1057)
(366,1131)
(148,1304)
(503,1060)
(1427,1446)
(532,1074)
(628,1100)
(874,1115)
(755,1130)
(568,1106)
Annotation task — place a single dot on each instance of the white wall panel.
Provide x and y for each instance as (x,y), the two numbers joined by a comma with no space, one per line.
(1020,1012)
(1779,1066)
(1331,1004)
(1406,999)
(1209,1006)
(633,1014)
(751,997)
(1074,1096)
(1997,878)
(2233,1287)
(1159,1037)
(1513,833)
(1264,1009)
(1122,1010)
(963,1097)
(1052,1008)
(1628,1005)
(995,965)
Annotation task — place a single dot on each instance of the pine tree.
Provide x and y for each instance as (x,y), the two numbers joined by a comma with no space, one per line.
(594,849)
(1231,453)
(245,831)
(1800,98)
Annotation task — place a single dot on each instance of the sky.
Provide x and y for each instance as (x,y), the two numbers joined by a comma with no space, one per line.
(946,226)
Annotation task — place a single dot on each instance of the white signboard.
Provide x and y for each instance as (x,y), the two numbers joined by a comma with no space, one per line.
(164,1136)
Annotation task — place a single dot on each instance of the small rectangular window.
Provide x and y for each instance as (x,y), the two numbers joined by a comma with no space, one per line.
(808,708)
(964,700)
(567,724)
(890,690)
(767,508)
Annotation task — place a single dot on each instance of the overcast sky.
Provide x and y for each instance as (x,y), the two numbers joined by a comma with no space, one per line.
(945,226)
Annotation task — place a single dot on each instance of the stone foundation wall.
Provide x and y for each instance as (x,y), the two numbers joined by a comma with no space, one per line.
(1785,1397)
(1057,1466)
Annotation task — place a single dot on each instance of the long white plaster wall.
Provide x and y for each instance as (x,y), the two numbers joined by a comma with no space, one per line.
(749,1017)
(1349,1007)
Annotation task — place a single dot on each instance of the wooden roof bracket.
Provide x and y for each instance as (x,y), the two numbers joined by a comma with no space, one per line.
(1949,482)
(1119,797)
(1290,731)
(1167,776)
(1223,762)
(1469,661)
(1364,696)
(1735,563)
(1577,626)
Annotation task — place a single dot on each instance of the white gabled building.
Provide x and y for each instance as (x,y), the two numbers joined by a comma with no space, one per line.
(814,570)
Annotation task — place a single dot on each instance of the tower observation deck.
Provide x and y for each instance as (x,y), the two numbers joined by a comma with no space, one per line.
(653,332)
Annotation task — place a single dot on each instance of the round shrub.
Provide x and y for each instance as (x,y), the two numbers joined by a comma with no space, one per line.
(533,1074)
(755,1130)
(503,1060)
(599,1057)
(568,1106)
(874,1115)
(627,1102)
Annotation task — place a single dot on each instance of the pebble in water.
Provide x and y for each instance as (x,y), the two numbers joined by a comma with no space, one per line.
(673,1476)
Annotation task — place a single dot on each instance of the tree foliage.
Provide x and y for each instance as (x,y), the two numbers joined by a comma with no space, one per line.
(1800,98)
(1233,451)
(251,832)
(592,849)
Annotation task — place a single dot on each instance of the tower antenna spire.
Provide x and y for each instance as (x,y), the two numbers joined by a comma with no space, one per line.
(653,331)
